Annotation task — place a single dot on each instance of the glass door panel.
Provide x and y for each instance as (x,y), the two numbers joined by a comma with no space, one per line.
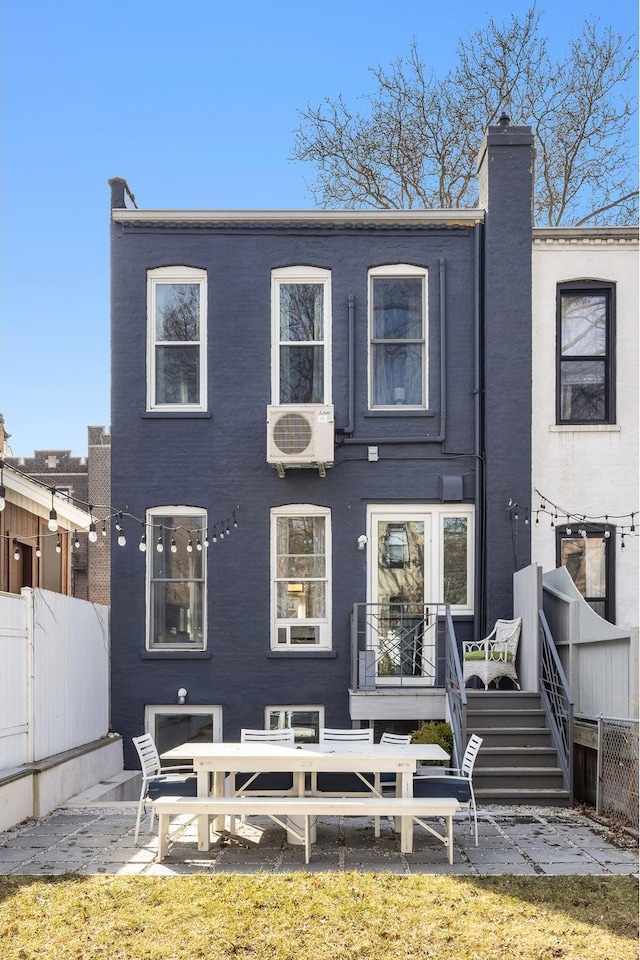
(399,629)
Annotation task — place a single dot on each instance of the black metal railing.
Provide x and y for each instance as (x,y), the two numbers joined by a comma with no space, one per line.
(398,644)
(455,689)
(556,698)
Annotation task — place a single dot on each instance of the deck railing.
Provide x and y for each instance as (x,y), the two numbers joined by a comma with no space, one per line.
(455,689)
(557,702)
(398,645)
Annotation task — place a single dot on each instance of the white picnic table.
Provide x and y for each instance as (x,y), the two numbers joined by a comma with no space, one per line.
(217,760)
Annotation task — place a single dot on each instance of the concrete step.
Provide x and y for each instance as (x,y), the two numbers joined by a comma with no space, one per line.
(120,787)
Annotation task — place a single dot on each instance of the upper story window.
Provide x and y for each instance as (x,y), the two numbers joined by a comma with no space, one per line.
(398,337)
(585,358)
(176,578)
(301,318)
(301,585)
(176,337)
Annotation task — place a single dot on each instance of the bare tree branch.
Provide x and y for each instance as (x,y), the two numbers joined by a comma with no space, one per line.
(413,141)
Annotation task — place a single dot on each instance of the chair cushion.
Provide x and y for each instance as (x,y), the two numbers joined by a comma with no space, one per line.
(479,655)
(172,786)
(342,783)
(265,782)
(457,787)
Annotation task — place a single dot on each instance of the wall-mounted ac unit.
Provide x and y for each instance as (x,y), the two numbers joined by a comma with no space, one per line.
(300,435)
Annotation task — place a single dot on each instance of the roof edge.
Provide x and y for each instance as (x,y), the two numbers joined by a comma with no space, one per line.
(586,233)
(465,217)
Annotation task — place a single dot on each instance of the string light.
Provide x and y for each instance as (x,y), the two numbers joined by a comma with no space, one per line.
(53,516)
(195,539)
(16,551)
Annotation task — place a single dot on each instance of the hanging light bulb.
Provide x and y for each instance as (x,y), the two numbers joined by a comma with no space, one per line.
(16,552)
(53,521)
(38,550)
(93,536)
(537,517)
(235,522)
(568,531)
(206,539)
(583,534)
(198,544)
(214,538)
(160,545)
(122,540)
(190,546)
(607,534)
(142,546)
(174,546)
(76,542)
(104,528)
(623,545)
(58,546)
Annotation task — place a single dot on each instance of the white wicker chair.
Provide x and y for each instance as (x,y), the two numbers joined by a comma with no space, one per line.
(495,656)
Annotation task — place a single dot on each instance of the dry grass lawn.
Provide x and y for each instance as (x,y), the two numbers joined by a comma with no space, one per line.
(339,916)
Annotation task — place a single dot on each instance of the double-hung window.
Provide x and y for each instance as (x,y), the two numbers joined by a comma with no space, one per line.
(176,578)
(301,588)
(585,362)
(176,338)
(301,312)
(398,360)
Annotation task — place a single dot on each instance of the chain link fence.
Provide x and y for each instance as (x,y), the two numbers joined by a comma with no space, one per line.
(617,790)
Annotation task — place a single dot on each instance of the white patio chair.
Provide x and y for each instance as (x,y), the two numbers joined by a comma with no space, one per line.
(495,656)
(404,739)
(157,781)
(265,784)
(456,783)
(343,784)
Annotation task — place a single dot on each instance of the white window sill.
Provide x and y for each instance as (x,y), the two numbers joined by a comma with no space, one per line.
(584,428)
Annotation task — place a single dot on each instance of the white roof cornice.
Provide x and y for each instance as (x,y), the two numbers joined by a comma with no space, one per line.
(21,485)
(373,217)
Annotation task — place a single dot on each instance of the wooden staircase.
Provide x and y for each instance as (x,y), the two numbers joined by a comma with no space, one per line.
(517,762)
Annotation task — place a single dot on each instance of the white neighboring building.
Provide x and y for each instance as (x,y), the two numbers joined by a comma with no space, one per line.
(586,412)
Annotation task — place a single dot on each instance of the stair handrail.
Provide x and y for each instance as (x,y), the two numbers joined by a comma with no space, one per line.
(557,700)
(455,689)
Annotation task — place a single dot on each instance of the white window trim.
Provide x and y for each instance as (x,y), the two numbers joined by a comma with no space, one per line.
(299,708)
(175,274)
(434,549)
(214,711)
(168,511)
(301,510)
(400,270)
(299,274)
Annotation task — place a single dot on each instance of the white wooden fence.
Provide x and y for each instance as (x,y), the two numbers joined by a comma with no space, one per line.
(54,675)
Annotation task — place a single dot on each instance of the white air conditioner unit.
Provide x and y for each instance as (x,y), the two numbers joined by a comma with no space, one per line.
(300,435)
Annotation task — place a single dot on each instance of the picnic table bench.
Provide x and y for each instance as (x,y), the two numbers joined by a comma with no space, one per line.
(408,808)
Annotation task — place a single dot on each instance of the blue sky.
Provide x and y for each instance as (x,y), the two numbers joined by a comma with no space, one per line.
(194,104)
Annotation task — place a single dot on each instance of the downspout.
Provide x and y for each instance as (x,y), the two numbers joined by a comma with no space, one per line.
(351,367)
(426,438)
(479,603)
